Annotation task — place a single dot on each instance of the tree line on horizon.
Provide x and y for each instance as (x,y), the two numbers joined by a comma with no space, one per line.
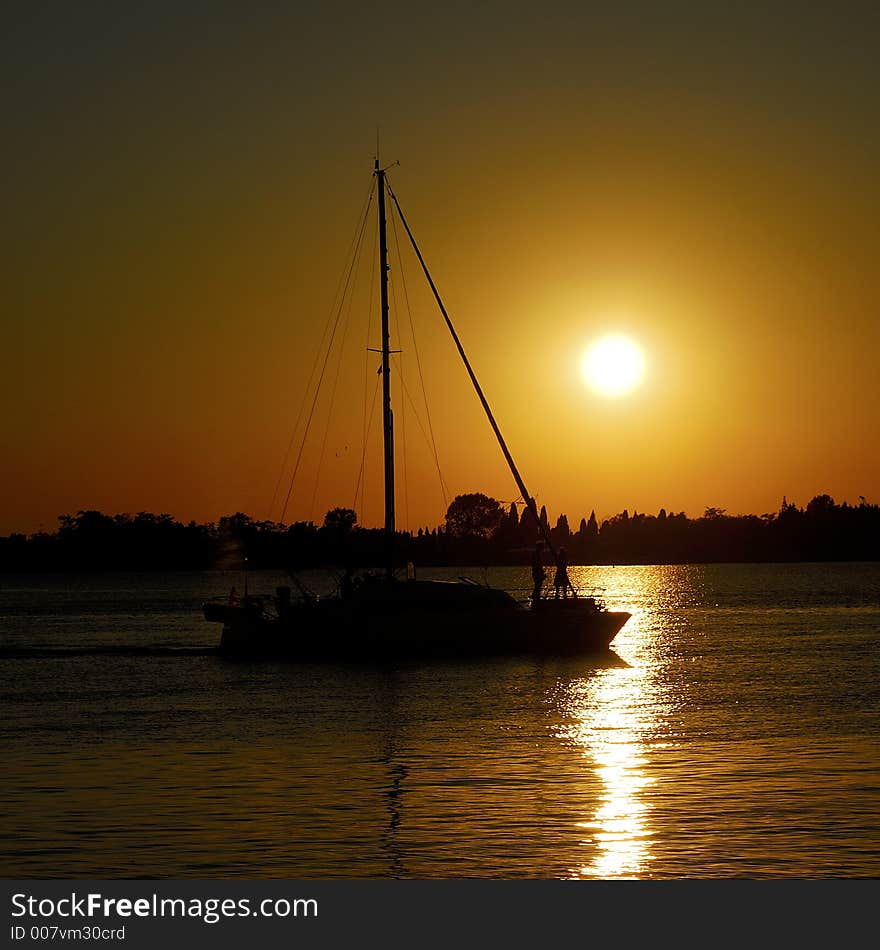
(478,530)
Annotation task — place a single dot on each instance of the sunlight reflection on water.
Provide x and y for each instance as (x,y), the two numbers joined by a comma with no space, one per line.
(611,718)
(605,722)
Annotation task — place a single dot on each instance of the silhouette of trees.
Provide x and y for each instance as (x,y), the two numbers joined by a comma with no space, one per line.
(477,531)
(340,520)
(473,522)
(561,534)
(473,515)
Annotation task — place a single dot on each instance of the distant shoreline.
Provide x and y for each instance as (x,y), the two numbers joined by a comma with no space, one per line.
(478,531)
(401,569)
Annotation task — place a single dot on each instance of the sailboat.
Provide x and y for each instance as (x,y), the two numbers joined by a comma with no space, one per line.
(384,617)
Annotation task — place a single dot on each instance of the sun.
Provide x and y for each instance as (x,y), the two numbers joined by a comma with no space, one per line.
(613,366)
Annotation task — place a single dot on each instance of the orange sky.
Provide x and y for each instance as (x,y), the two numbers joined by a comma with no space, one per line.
(184,191)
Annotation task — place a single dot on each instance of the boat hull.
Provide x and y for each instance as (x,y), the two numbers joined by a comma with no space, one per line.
(337,631)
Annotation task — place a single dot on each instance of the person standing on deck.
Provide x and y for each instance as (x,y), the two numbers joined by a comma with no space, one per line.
(539,575)
(561,581)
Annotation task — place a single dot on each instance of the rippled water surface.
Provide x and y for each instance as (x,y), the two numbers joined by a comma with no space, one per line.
(733,731)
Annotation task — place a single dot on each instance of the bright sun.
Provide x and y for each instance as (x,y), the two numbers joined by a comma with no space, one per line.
(613,366)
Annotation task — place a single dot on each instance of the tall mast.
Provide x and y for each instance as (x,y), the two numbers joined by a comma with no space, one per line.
(387,415)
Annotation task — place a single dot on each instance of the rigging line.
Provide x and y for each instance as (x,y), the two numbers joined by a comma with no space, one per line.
(443,488)
(402,405)
(357,486)
(415,413)
(318,351)
(345,325)
(302,444)
(520,484)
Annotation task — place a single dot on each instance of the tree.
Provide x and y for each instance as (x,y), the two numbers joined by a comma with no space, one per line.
(340,520)
(545,521)
(820,505)
(235,526)
(473,515)
(561,534)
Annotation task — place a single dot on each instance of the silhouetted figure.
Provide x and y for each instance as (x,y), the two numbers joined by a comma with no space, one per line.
(233,598)
(539,575)
(561,581)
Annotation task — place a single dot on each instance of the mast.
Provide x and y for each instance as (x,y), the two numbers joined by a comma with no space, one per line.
(387,415)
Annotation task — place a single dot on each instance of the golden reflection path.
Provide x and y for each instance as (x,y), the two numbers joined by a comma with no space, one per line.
(610,716)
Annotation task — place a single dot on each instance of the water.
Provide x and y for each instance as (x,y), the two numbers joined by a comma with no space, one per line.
(732,732)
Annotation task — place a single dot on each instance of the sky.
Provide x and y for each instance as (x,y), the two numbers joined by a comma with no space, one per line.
(181,187)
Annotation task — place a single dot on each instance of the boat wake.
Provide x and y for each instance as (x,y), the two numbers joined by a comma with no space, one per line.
(22,653)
